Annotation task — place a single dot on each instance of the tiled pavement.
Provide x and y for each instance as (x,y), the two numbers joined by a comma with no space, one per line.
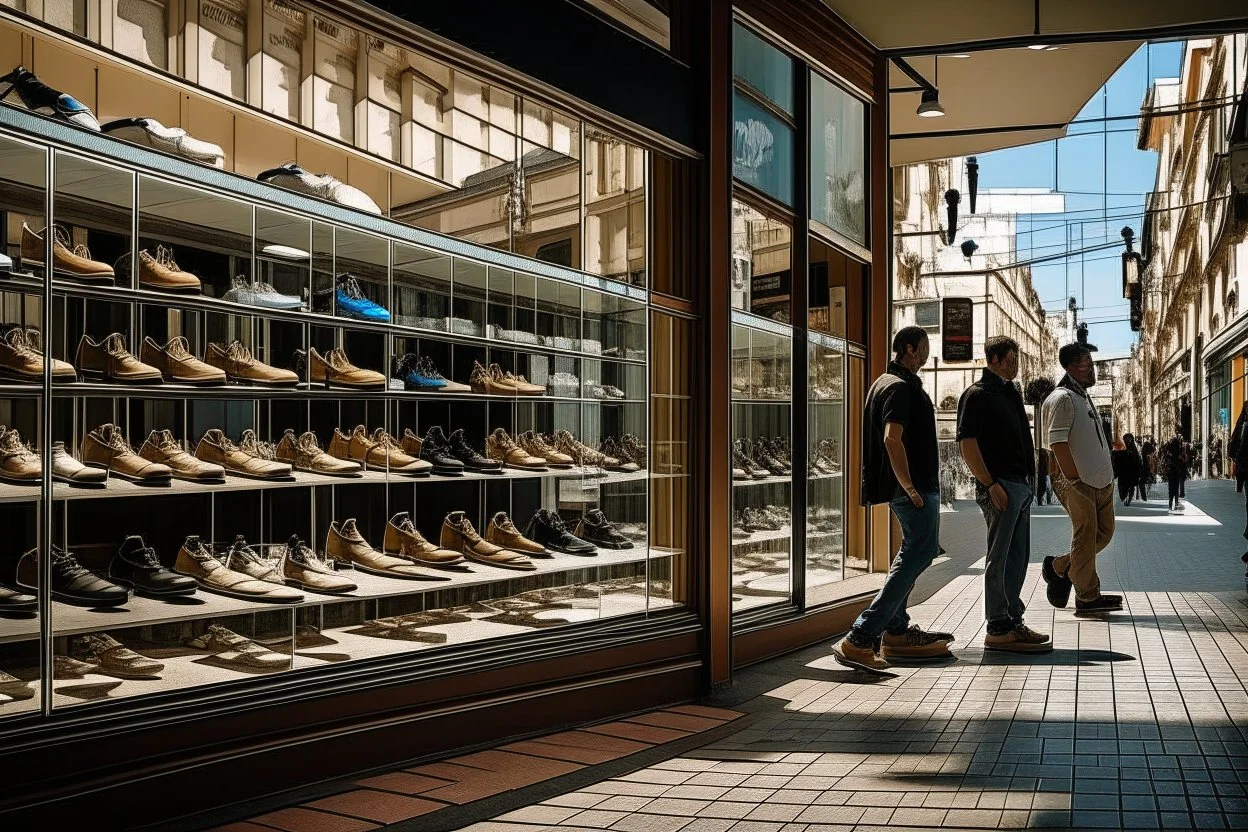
(1135,721)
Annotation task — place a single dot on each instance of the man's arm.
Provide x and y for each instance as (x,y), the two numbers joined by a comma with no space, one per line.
(979,469)
(897,458)
(1061,418)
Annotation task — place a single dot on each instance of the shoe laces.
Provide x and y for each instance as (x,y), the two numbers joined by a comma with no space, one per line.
(538,443)
(115,345)
(385,440)
(240,354)
(307,444)
(117,441)
(148,556)
(167,443)
(164,256)
(350,287)
(503,523)
(179,348)
(556,522)
(66,565)
(504,441)
(11,445)
(337,359)
(460,445)
(464,526)
(250,443)
(19,342)
(426,367)
(228,445)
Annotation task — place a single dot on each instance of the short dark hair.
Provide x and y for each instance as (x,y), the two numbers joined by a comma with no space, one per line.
(998,347)
(908,336)
(1071,353)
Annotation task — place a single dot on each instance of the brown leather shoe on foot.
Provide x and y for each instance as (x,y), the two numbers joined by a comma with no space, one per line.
(163,448)
(403,539)
(503,532)
(178,365)
(345,543)
(1022,639)
(914,643)
(106,447)
(109,360)
(241,367)
(859,658)
(458,535)
(74,265)
(305,454)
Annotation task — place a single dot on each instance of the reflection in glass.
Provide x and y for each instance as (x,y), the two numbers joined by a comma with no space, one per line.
(838,162)
(825,542)
(422,287)
(762,67)
(762,148)
(543,204)
(615,208)
(94,204)
(206,235)
(761,265)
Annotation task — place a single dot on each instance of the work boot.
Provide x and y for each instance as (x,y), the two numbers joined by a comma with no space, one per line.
(914,643)
(850,654)
(1058,586)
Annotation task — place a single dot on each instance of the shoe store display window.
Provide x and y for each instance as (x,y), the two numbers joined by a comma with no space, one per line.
(283,437)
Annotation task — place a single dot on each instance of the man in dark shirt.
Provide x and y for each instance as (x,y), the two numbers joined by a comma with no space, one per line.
(995,439)
(900,467)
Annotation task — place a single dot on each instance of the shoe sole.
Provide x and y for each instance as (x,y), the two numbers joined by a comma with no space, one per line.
(82,601)
(145,481)
(1020,648)
(263,599)
(865,668)
(579,554)
(911,661)
(100,375)
(196,382)
(319,589)
(627,544)
(403,577)
(515,467)
(24,606)
(80,483)
(261,477)
(151,593)
(13,375)
(94,280)
(172,290)
(255,382)
(20,481)
(1096,612)
(342,474)
(528,567)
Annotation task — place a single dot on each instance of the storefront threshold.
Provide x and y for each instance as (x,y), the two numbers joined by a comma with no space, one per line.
(766,638)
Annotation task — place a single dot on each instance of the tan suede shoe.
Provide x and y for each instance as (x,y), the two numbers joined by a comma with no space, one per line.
(522,385)
(161,447)
(347,544)
(18,462)
(106,447)
(489,382)
(162,273)
(69,470)
(302,568)
(411,443)
(75,265)
(403,539)
(399,461)
(304,454)
(503,532)
(195,560)
(178,364)
(23,360)
(582,453)
(109,360)
(239,366)
(216,448)
(334,370)
(536,446)
(458,535)
(499,445)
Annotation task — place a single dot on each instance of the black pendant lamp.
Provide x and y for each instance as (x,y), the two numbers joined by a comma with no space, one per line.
(972,178)
(952,197)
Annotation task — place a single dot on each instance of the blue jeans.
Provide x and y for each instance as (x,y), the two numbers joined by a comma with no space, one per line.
(1009,550)
(920,539)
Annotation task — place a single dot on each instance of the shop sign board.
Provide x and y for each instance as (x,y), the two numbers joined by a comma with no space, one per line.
(957,329)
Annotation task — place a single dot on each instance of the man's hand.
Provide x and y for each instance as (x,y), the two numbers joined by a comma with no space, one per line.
(916,499)
(1000,499)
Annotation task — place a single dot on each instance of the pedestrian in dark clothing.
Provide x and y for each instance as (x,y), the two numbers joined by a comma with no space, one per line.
(1044,485)
(1126,471)
(1238,450)
(1148,469)
(1174,465)
(1141,472)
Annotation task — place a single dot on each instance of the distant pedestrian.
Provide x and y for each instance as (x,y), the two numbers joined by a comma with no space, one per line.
(1126,470)
(995,438)
(1083,478)
(1044,487)
(1215,457)
(1173,456)
(1128,440)
(1148,470)
(900,466)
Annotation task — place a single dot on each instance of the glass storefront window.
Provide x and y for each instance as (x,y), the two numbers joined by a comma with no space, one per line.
(762,67)
(615,208)
(825,492)
(838,162)
(762,274)
(223,47)
(762,148)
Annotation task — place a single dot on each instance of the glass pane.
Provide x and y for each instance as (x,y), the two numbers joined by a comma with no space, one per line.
(543,204)
(762,149)
(362,270)
(223,47)
(838,161)
(763,67)
(283,252)
(762,276)
(825,495)
(94,205)
(422,287)
(615,208)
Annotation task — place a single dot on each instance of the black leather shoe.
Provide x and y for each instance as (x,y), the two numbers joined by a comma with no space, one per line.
(1057,587)
(547,528)
(13,601)
(1103,604)
(435,449)
(71,583)
(598,530)
(136,564)
(473,461)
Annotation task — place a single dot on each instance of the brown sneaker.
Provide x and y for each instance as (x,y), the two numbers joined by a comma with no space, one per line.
(334,370)
(109,360)
(499,445)
(163,448)
(163,274)
(18,462)
(582,453)
(239,366)
(398,461)
(243,460)
(1022,639)
(403,539)
(859,658)
(67,469)
(612,453)
(345,543)
(195,560)
(302,568)
(483,380)
(304,454)
(503,532)
(458,535)
(239,557)
(112,658)
(21,358)
(519,382)
(536,445)
(914,644)
(75,265)
(106,447)
(177,364)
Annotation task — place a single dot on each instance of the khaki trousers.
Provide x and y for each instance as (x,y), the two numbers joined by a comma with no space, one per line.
(1091,513)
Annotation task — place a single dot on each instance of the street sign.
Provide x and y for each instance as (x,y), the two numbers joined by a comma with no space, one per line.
(957,329)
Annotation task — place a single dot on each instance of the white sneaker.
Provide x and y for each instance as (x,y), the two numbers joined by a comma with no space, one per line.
(294,178)
(151,133)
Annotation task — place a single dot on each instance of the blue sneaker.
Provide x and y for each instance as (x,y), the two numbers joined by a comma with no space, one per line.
(416,374)
(352,303)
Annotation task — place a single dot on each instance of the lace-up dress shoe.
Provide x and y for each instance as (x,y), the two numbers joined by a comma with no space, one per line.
(231,650)
(149,132)
(302,568)
(851,654)
(500,446)
(351,302)
(161,272)
(403,539)
(106,447)
(21,86)
(18,462)
(1100,605)
(13,601)
(136,565)
(345,543)
(458,535)
(161,447)
(241,460)
(195,560)
(240,557)
(503,532)
(472,459)
(535,445)
(304,454)
(547,528)
(178,365)
(435,449)
(22,360)
(322,186)
(109,360)
(914,643)
(595,528)
(69,470)
(395,459)
(68,261)
(112,658)
(71,583)
(239,366)
(334,370)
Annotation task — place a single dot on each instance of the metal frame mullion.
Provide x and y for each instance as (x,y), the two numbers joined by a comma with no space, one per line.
(799,263)
(44,520)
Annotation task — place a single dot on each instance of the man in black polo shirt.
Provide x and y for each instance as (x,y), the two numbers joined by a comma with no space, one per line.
(900,467)
(995,439)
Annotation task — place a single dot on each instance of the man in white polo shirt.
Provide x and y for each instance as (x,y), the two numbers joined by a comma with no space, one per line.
(1083,479)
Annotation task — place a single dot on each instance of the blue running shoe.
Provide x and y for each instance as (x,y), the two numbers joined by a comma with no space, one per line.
(352,303)
(38,97)
(416,376)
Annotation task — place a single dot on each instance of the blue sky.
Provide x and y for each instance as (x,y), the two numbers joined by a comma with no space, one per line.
(1105,180)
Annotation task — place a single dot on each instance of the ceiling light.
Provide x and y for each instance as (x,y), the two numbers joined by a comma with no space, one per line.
(285,252)
(1038,46)
(930,106)
(958,55)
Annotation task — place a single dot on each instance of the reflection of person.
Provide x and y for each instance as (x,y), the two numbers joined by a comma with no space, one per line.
(1083,478)
(1148,467)
(995,438)
(1137,462)
(1044,489)
(900,466)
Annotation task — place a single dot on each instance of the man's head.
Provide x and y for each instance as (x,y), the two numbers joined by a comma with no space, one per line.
(910,347)
(1002,355)
(1076,360)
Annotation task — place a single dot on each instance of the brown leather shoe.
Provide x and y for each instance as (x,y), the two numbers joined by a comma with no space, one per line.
(244,461)
(304,454)
(74,265)
(302,568)
(23,360)
(345,543)
(458,535)
(400,462)
(239,366)
(109,360)
(195,560)
(162,273)
(500,446)
(69,470)
(536,445)
(177,364)
(161,447)
(522,385)
(403,539)
(18,462)
(411,443)
(503,532)
(106,447)
(491,381)
(582,453)
(334,370)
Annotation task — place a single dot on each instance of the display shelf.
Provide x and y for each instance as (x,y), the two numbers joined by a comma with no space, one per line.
(70,620)
(775,480)
(11,706)
(17,390)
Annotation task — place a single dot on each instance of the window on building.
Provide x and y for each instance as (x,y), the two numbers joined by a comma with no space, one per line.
(927,315)
(838,160)
(762,154)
